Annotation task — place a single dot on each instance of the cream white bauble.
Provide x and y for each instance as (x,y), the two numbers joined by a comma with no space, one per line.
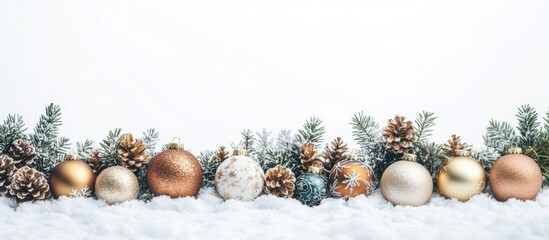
(239,177)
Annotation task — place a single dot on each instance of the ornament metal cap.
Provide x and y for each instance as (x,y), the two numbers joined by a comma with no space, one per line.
(514,150)
(315,170)
(175,145)
(463,153)
(240,152)
(71,156)
(409,157)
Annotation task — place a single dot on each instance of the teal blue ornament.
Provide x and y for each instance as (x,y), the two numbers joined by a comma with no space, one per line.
(311,187)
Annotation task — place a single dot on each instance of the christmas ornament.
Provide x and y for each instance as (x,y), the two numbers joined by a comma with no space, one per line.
(134,153)
(334,153)
(454,144)
(515,176)
(29,185)
(6,171)
(95,162)
(116,184)
(308,156)
(399,135)
(22,153)
(350,178)
(71,174)
(312,187)
(407,182)
(239,177)
(461,177)
(280,182)
(175,172)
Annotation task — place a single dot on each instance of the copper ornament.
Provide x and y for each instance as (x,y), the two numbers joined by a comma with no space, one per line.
(116,184)
(350,178)
(175,173)
(71,175)
(461,177)
(515,176)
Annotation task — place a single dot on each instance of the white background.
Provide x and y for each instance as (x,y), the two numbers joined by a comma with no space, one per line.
(203,70)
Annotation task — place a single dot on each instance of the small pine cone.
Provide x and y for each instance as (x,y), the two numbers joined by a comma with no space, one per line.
(335,152)
(6,171)
(280,182)
(29,185)
(95,162)
(22,153)
(309,157)
(133,153)
(221,154)
(453,145)
(399,135)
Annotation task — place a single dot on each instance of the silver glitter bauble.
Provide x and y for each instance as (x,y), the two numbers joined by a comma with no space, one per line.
(116,184)
(406,183)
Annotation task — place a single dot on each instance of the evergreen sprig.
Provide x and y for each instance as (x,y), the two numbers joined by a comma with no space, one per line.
(528,125)
(431,155)
(150,139)
(500,136)
(425,122)
(12,128)
(109,148)
(312,132)
(209,164)
(84,148)
(365,131)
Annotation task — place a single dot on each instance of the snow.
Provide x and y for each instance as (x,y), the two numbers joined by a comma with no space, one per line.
(209,217)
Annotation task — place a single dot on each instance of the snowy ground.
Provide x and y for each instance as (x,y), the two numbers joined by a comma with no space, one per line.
(268,217)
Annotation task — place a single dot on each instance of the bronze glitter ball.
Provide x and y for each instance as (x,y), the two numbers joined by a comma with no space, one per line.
(515,176)
(175,173)
(71,175)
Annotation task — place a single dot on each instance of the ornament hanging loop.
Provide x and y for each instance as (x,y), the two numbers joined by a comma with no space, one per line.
(176,145)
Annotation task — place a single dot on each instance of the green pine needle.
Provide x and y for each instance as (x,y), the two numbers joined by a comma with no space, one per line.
(528,125)
(12,129)
(365,131)
(312,132)
(425,122)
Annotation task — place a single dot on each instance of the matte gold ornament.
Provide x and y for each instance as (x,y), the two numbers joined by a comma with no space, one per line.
(515,176)
(239,177)
(175,172)
(350,178)
(116,184)
(407,182)
(461,177)
(71,175)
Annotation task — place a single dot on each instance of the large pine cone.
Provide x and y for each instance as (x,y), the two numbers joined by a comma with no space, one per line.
(280,182)
(28,184)
(309,157)
(22,153)
(399,135)
(335,152)
(6,171)
(95,162)
(133,153)
(453,145)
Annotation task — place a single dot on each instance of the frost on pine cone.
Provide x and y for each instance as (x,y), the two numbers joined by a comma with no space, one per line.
(6,171)
(29,185)
(95,162)
(309,157)
(280,182)
(399,135)
(133,152)
(454,144)
(335,152)
(22,153)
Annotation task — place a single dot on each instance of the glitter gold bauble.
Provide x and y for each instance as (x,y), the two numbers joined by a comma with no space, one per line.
(515,176)
(406,182)
(350,178)
(175,173)
(461,177)
(71,175)
(116,184)
(239,177)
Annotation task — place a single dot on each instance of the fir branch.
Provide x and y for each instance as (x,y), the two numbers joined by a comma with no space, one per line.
(109,148)
(84,149)
(262,145)
(12,129)
(487,157)
(312,132)
(540,153)
(247,142)
(431,155)
(500,136)
(145,193)
(425,121)
(209,162)
(546,126)
(365,131)
(528,125)
(150,139)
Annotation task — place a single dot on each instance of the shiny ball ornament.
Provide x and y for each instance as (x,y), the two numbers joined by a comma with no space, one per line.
(175,172)
(351,178)
(311,187)
(461,177)
(515,176)
(239,177)
(71,175)
(407,182)
(116,184)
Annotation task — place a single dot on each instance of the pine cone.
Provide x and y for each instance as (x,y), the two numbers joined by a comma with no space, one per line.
(95,162)
(453,144)
(399,135)
(309,157)
(221,154)
(133,153)
(280,182)
(22,153)
(335,152)
(6,171)
(28,184)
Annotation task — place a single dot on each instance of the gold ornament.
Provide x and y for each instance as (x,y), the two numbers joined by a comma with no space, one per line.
(461,177)
(407,182)
(116,184)
(175,172)
(71,174)
(350,178)
(515,176)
